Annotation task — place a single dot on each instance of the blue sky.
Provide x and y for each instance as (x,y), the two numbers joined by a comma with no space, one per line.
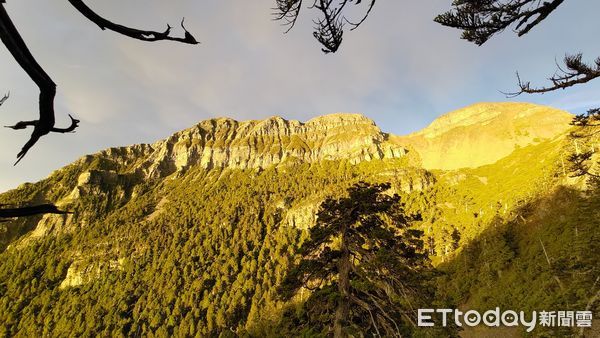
(400,69)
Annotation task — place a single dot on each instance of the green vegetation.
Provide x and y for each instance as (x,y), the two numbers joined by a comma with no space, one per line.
(201,265)
(368,270)
(205,252)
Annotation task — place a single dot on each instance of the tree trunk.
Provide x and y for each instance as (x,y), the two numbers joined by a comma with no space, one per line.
(343,307)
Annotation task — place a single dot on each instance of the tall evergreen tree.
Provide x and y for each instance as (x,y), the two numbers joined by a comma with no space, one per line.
(368,269)
(585,139)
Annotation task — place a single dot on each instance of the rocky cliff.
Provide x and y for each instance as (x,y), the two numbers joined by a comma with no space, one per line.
(470,137)
(223,142)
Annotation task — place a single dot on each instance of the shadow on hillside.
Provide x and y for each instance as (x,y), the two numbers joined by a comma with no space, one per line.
(12,230)
(544,256)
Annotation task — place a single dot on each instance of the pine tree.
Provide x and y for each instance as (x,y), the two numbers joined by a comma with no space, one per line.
(368,269)
(585,143)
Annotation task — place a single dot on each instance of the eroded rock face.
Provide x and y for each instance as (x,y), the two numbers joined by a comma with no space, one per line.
(80,272)
(51,224)
(470,137)
(222,142)
(111,178)
(303,216)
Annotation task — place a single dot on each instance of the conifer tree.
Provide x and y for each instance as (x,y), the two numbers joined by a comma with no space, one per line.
(368,268)
(585,139)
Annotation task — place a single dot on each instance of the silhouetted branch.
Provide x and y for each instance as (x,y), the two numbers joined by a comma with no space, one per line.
(575,71)
(329,29)
(31,211)
(364,18)
(12,40)
(22,125)
(25,124)
(69,129)
(14,43)
(2,100)
(131,32)
(481,19)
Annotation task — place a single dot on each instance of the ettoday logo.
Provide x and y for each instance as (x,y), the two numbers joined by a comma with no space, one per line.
(496,318)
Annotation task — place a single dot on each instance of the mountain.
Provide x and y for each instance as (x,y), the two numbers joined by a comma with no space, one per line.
(192,235)
(484,133)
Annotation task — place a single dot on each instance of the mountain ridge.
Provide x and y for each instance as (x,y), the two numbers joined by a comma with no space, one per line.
(225,142)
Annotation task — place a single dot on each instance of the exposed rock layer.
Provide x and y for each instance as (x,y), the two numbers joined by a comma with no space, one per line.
(222,142)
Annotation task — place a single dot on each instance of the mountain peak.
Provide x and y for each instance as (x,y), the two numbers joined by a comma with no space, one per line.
(338,119)
(486,112)
(473,136)
(483,133)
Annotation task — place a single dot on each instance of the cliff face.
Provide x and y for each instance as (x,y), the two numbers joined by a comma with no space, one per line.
(226,143)
(484,133)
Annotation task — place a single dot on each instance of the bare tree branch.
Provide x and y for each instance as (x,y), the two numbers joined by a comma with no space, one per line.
(14,43)
(25,124)
(288,11)
(12,40)
(329,28)
(364,18)
(482,19)
(575,71)
(131,32)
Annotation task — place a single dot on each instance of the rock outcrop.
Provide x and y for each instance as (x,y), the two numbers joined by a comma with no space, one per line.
(81,272)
